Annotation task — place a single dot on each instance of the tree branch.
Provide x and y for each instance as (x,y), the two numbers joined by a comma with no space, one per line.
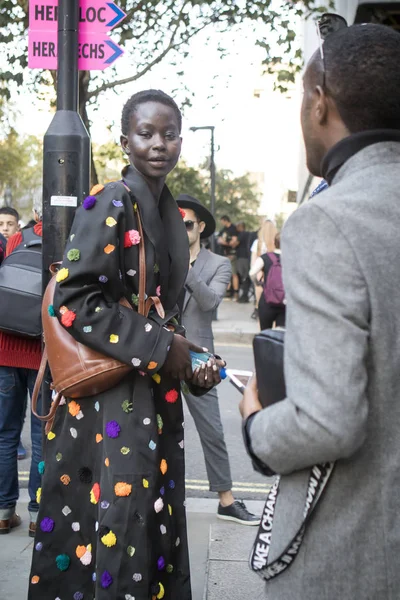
(171,46)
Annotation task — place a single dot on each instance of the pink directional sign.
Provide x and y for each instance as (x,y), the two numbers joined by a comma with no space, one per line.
(96,18)
(94,52)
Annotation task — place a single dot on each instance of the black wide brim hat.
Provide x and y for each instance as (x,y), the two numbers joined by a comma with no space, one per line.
(186,201)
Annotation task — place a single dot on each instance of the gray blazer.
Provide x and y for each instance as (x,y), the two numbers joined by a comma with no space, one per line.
(341,266)
(206,285)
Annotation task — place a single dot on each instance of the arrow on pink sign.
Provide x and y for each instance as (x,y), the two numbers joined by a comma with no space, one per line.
(95,52)
(95,16)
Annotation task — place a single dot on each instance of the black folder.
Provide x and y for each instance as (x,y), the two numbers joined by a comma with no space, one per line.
(268,358)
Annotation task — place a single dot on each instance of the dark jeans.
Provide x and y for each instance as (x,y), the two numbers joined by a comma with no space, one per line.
(243,267)
(14,386)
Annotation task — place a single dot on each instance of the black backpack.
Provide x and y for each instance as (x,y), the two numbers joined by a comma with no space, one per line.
(21,288)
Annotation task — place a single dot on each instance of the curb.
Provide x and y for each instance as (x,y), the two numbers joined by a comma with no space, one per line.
(233,337)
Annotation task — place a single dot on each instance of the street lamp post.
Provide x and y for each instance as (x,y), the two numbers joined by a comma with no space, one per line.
(7,196)
(211,128)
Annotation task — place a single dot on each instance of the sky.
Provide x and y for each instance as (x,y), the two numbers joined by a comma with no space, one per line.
(259,135)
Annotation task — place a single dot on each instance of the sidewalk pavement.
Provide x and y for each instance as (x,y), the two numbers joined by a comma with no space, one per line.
(219,553)
(234,324)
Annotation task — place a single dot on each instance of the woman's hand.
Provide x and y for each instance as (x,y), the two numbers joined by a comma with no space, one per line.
(178,363)
(250,403)
(207,376)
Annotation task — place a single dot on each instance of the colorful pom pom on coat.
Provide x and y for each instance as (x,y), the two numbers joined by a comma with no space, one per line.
(95,494)
(172,396)
(132,238)
(61,275)
(96,189)
(122,489)
(47,525)
(68,318)
(89,202)
(73,254)
(111,222)
(113,429)
(74,408)
(110,539)
(63,561)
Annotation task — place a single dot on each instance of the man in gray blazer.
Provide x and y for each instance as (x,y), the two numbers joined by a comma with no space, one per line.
(206,283)
(341,266)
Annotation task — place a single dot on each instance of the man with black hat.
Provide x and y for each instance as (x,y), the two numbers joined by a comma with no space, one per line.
(208,277)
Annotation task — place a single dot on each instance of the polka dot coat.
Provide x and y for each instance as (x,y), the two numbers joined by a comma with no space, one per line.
(112,518)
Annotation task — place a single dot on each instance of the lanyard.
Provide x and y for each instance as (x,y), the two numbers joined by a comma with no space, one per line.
(317,482)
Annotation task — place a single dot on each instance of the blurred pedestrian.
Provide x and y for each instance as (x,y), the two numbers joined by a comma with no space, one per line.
(208,277)
(265,242)
(334,439)
(19,364)
(227,239)
(242,245)
(112,515)
(270,309)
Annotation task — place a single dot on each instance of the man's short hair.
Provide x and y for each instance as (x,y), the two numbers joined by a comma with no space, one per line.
(362,64)
(226,218)
(8,210)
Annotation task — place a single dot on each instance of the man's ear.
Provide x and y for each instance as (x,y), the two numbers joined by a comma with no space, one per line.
(124,144)
(321,105)
(202,226)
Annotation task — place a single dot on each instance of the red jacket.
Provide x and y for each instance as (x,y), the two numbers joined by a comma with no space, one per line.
(17,351)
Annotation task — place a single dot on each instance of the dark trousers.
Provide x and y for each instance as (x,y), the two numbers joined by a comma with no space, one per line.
(270,314)
(14,386)
(243,267)
(207,419)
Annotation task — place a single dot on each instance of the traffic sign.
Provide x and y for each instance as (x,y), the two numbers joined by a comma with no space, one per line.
(94,52)
(96,18)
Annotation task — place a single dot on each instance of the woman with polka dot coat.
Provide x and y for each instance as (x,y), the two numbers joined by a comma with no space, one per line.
(112,519)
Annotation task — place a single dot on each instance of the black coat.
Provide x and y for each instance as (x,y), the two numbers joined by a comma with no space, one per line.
(113,487)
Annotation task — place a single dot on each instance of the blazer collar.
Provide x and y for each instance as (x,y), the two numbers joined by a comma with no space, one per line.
(199,265)
(163,225)
(341,152)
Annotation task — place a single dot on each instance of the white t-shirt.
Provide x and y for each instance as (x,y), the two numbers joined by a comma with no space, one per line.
(255,245)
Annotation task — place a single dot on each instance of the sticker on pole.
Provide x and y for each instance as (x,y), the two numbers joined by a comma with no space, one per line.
(96,51)
(64,201)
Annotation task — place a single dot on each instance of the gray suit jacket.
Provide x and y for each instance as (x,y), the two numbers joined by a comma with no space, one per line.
(341,266)
(206,285)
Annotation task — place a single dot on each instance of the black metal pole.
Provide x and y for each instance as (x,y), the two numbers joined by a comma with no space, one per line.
(66,149)
(67,71)
(212,174)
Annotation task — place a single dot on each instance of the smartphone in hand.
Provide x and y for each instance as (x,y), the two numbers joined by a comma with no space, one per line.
(239,379)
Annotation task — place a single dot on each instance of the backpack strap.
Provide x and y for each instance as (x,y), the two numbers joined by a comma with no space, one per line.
(273,258)
(36,390)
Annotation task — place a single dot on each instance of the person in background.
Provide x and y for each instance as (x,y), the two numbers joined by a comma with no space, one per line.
(342,343)
(9,218)
(208,277)
(242,245)
(227,239)
(268,313)
(19,364)
(265,242)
